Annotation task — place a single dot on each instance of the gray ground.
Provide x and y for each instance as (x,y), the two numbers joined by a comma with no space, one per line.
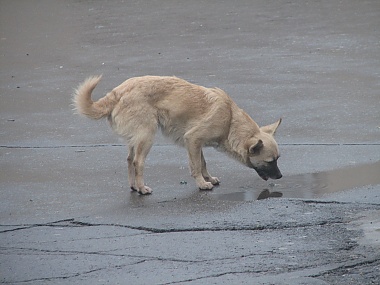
(66,213)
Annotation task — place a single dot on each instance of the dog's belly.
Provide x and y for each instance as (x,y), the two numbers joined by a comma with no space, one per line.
(175,134)
(213,144)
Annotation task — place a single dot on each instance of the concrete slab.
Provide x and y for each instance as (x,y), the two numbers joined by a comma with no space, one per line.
(66,213)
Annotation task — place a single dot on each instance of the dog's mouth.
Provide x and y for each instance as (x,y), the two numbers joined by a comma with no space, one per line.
(265,176)
(262,174)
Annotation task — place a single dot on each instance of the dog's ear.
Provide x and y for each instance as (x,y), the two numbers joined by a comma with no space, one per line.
(256,147)
(271,129)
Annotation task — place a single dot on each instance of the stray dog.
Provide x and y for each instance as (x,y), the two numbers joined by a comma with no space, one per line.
(193,116)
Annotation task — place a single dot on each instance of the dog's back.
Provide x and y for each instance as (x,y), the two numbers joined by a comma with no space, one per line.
(173,104)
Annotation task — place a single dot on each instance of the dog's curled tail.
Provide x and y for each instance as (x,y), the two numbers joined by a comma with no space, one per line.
(94,110)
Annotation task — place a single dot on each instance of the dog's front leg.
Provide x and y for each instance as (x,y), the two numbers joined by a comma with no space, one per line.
(194,149)
(205,174)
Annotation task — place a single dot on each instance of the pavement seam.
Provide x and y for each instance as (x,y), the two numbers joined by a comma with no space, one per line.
(167,145)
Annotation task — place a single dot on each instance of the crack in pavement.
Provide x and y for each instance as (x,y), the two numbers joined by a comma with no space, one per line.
(74,223)
(144,259)
(348,266)
(321,267)
(311,201)
(69,276)
(29,226)
(214,276)
(338,266)
(147,259)
(60,252)
(109,253)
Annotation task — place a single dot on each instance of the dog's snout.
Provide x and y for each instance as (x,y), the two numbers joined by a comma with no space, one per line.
(278,174)
(275,173)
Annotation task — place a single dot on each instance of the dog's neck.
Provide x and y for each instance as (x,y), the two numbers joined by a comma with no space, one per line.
(242,128)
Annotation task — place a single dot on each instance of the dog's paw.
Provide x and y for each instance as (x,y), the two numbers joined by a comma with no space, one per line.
(145,190)
(213,180)
(205,186)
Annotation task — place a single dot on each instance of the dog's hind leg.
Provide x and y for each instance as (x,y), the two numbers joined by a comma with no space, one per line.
(131,169)
(141,150)
(205,174)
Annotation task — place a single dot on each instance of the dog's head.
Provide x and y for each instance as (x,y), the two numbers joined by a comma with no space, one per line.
(263,152)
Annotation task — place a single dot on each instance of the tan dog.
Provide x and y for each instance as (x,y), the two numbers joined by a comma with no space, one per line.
(193,116)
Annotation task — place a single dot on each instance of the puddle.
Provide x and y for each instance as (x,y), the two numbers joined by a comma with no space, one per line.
(309,186)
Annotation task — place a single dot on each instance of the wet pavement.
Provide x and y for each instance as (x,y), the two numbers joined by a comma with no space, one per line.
(310,185)
(67,215)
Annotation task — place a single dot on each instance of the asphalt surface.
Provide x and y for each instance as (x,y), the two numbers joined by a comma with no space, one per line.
(67,215)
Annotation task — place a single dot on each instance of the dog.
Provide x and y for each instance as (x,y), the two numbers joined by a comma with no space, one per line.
(192,116)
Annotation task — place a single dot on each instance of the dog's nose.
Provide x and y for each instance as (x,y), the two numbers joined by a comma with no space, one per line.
(278,176)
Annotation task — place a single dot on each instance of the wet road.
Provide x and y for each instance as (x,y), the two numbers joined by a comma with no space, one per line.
(66,213)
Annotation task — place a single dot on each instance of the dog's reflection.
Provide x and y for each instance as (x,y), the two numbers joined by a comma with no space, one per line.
(265,194)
